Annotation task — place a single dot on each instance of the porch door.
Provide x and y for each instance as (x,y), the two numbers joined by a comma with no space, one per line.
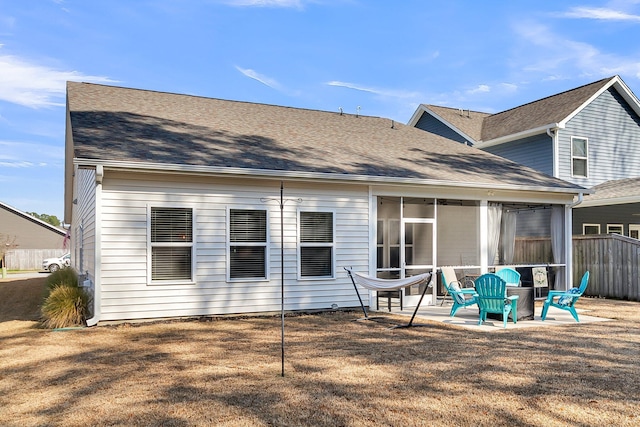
(418,242)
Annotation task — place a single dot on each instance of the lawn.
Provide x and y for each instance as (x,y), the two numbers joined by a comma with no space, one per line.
(338,371)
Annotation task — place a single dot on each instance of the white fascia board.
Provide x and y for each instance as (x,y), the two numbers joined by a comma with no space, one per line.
(168,168)
(588,101)
(610,201)
(514,136)
(421,109)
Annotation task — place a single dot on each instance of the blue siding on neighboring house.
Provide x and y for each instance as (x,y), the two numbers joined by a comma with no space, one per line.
(431,124)
(624,214)
(613,132)
(535,152)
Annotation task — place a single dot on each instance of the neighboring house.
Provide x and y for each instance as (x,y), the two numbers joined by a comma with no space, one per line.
(613,208)
(174,203)
(29,236)
(589,136)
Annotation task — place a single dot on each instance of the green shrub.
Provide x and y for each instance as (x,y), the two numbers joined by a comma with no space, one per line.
(64,276)
(65,306)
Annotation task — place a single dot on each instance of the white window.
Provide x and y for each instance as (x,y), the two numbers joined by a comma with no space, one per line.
(171,243)
(590,228)
(579,157)
(615,229)
(634,231)
(247,249)
(316,244)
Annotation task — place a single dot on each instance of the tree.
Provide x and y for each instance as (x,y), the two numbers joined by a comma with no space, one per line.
(50,219)
(6,244)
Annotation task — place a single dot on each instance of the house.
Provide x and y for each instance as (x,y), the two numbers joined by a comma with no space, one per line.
(28,236)
(174,203)
(614,207)
(589,136)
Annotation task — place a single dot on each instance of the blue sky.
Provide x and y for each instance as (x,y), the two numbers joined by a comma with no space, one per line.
(382,56)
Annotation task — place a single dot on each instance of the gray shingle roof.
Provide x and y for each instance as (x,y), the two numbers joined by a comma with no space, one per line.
(484,127)
(628,188)
(469,122)
(138,126)
(552,109)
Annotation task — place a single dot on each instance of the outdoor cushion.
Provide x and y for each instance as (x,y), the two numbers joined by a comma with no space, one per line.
(455,286)
(565,299)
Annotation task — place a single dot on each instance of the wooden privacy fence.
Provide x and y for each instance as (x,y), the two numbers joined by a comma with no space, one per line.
(613,262)
(30,259)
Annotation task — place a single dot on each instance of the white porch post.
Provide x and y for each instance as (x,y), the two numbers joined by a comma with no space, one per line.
(568,247)
(373,240)
(484,236)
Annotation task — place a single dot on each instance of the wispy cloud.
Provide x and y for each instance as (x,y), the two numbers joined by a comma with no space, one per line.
(267,81)
(559,56)
(35,86)
(22,155)
(295,4)
(480,89)
(376,91)
(600,13)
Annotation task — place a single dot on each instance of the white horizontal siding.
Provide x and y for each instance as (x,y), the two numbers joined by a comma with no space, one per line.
(126,293)
(83,232)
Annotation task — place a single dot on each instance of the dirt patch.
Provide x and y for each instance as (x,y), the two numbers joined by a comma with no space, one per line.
(20,299)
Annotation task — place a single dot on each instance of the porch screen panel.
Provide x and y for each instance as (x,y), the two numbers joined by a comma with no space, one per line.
(316,244)
(248,244)
(171,244)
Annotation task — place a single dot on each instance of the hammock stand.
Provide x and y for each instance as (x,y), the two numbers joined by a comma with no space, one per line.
(376,284)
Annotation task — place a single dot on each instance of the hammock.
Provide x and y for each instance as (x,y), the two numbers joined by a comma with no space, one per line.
(376,284)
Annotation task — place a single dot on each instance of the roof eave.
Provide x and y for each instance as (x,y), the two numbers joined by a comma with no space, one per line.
(315,176)
(610,201)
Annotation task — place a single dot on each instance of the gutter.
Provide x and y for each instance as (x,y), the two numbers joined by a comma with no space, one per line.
(519,135)
(167,168)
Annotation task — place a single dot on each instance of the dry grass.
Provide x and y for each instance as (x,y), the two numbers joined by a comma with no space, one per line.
(339,372)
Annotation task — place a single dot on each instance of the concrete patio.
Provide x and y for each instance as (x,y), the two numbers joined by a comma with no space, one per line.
(468,317)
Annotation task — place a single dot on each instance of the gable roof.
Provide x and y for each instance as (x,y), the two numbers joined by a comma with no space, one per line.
(466,123)
(543,113)
(32,219)
(121,127)
(534,117)
(614,192)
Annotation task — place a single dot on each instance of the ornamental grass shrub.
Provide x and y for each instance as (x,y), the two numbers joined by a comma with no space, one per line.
(66,304)
(64,276)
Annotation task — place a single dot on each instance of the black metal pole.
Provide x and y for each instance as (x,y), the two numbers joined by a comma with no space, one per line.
(282,268)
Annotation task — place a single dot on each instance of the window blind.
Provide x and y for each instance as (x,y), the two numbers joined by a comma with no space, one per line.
(316,244)
(316,227)
(171,225)
(248,243)
(171,243)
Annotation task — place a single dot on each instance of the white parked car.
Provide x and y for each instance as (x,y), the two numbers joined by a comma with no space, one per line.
(55,264)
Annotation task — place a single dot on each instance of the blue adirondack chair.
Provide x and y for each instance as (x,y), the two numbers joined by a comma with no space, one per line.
(462,297)
(566,300)
(510,276)
(492,298)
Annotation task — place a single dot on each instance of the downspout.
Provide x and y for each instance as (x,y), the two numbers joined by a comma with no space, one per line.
(97,306)
(568,223)
(552,132)
(577,202)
